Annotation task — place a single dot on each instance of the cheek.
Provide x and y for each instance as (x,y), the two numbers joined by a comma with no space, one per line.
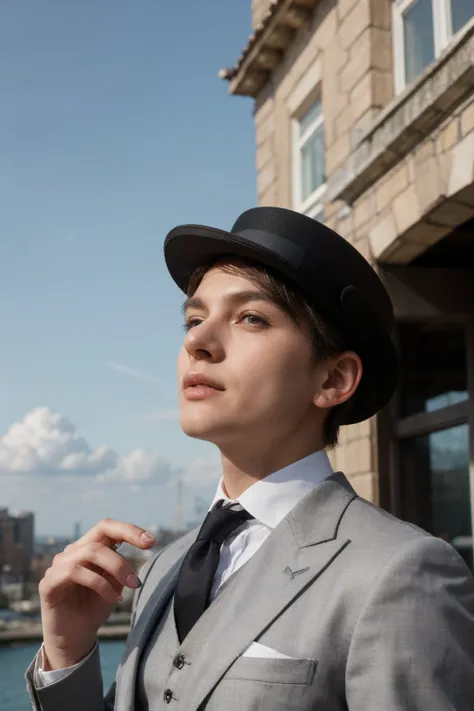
(278,375)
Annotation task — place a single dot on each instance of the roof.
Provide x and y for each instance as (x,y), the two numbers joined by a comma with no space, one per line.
(266,45)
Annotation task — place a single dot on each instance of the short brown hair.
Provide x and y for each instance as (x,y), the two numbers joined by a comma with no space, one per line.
(326,339)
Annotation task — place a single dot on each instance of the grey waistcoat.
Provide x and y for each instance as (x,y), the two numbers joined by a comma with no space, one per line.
(156,672)
(165,666)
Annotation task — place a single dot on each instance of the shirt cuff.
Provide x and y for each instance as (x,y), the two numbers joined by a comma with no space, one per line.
(44,678)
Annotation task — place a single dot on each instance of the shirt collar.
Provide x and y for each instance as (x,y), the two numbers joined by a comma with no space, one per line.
(271,499)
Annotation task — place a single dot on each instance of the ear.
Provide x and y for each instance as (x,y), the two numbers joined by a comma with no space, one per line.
(338,379)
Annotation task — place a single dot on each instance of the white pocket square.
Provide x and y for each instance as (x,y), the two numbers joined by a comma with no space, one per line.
(260,651)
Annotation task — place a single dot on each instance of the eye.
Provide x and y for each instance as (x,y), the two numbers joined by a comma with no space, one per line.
(255,320)
(191,323)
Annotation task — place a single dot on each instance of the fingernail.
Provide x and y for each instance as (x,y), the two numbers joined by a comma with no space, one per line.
(133,581)
(145,536)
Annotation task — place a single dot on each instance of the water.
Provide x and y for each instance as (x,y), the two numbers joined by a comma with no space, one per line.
(15,660)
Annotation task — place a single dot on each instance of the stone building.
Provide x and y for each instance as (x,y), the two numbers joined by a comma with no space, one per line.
(16,546)
(364,116)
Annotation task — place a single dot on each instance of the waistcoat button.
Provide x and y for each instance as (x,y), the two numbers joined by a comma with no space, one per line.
(179,661)
(168,695)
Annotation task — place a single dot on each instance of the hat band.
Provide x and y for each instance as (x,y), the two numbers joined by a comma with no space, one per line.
(290,252)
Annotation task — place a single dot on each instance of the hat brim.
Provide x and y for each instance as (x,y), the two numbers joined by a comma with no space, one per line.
(189,247)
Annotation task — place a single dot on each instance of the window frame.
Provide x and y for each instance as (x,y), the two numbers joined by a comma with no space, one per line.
(314,204)
(395,431)
(443,35)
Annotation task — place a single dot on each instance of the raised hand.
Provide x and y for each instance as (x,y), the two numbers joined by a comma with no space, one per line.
(81,588)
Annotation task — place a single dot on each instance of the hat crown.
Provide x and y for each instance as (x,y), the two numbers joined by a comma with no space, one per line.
(334,256)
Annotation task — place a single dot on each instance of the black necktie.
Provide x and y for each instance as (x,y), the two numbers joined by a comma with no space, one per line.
(199,567)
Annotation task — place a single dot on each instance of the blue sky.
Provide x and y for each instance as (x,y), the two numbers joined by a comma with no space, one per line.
(114,127)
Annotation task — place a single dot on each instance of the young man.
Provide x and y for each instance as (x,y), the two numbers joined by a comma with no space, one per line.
(295,593)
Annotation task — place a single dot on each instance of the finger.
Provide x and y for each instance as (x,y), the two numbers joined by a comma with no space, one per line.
(96,582)
(56,581)
(111,532)
(107,576)
(107,560)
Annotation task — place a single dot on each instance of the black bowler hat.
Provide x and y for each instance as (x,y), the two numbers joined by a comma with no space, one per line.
(325,266)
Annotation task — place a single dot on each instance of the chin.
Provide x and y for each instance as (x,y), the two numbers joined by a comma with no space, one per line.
(208,428)
(198,427)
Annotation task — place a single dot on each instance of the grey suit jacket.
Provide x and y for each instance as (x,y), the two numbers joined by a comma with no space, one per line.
(374,613)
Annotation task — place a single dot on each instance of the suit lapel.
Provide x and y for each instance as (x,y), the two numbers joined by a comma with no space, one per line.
(149,609)
(301,547)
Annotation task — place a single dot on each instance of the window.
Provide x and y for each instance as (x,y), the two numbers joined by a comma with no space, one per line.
(16,531)
(430,451)
(461,13)
(309,166)
(421,31)
(437,465)
(433,367)
(418,38)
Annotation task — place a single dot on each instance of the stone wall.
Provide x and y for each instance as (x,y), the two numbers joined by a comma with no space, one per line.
(427,195)
(346,53)
(427,187)
(420,200)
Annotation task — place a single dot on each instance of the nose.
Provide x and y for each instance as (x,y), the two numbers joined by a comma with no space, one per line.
(203,342)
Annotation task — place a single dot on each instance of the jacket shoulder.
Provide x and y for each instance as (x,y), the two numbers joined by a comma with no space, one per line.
(377,534)
(383,550)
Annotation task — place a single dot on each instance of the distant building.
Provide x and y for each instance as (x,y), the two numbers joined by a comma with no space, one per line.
(44,551)
(77,531)
(16,546)
(50,546)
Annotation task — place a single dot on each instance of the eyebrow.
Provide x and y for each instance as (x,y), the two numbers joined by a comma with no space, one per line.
(236,298)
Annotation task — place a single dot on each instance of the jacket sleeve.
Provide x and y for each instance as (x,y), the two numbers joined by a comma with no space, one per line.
(44,678)
(413,644)
(82,688)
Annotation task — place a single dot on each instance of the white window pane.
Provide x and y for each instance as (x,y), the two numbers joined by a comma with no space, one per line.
(312,115)
(462,11)
(313,169)
(419,38)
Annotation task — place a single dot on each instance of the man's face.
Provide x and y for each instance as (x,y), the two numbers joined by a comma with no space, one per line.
(246,370)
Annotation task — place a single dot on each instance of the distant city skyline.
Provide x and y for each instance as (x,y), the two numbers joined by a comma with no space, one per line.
(115,127)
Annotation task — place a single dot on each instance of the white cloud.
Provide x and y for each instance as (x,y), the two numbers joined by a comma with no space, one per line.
(140,467)
(45,443)
(126,370)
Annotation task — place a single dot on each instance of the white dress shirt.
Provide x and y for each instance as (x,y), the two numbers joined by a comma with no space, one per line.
(268,501)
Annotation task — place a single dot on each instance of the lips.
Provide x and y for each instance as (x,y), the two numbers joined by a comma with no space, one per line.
(199,380)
